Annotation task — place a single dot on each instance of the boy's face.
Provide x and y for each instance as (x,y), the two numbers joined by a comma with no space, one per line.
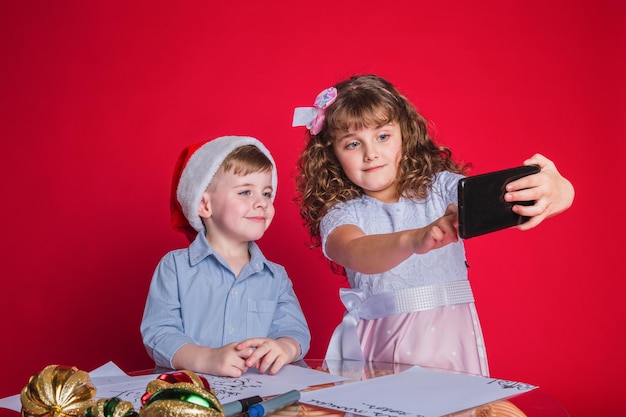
(239,208)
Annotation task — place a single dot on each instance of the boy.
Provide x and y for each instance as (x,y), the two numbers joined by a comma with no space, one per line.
(220,307)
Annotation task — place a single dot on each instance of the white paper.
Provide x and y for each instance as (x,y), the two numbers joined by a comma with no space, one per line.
(417,392)
(253,383)
(12,403)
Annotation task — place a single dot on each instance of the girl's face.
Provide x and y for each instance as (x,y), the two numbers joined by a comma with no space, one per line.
(240,208)
(370,157)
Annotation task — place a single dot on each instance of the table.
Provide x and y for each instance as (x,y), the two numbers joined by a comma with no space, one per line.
(530,404)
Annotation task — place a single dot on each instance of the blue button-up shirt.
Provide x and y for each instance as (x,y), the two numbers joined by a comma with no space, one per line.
(195,297)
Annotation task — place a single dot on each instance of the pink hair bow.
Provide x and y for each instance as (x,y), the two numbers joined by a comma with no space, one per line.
(313,117)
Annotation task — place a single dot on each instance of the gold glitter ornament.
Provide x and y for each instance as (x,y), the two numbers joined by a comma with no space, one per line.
(180,402)
(111,407)
(57,391)
(179,395)
(182,379)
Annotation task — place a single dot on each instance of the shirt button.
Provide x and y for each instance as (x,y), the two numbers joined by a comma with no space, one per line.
(233,293)
(230,329)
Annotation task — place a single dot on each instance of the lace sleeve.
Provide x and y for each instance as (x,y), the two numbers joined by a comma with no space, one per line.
(447,184)
(337,216)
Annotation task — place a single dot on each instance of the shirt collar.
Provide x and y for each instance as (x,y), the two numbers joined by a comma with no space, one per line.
(200,249)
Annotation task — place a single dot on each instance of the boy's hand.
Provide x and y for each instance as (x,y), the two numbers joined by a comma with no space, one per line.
(270,354)
(551,192)
(225,361)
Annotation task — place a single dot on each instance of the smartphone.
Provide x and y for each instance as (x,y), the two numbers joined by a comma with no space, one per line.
(482,208)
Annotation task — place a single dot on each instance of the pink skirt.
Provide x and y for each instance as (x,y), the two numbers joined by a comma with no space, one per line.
(447,338)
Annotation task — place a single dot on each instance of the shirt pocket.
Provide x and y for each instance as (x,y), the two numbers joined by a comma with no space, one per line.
(260,317)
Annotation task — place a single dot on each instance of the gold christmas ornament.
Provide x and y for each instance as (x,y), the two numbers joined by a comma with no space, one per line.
(502,408)
(111,407)
(499,408)
(181,379)
(57,391)
(181,394)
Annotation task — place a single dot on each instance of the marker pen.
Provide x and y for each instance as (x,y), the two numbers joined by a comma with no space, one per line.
(239,406)
(273,404)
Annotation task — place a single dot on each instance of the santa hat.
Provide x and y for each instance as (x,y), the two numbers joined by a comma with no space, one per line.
(194,170)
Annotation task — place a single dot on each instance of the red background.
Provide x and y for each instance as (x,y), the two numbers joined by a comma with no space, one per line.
(99,97)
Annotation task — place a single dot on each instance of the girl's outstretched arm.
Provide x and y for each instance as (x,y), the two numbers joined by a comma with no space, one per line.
(351,248)
(552,193)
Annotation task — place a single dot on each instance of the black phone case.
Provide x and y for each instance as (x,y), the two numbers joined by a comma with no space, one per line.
(482,208)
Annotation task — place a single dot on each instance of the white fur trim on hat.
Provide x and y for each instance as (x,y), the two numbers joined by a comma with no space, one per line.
(201,168)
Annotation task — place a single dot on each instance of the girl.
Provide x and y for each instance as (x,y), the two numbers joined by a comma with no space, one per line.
(378,195)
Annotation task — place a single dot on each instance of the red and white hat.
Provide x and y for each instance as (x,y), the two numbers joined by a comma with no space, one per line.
(194,170)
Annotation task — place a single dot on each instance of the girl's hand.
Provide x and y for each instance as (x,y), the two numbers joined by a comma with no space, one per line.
(552,193)
(439,233)
(269,353)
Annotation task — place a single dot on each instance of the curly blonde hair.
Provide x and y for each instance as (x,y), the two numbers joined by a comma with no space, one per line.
(366,101)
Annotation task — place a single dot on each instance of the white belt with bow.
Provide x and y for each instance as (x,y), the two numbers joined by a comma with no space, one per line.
(344,343)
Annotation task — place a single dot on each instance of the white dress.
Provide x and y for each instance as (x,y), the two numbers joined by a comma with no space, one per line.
(447,336)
